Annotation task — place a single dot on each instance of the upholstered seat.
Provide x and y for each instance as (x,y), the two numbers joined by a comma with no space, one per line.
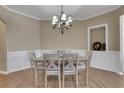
(81,65)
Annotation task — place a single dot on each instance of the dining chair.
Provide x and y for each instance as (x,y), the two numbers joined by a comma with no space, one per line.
(84,64)
(69,66)
(52,67)
(36,65)
(86,57)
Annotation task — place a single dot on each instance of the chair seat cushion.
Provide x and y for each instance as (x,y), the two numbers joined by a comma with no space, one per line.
(52,69)
(69,72)
(81,66)
(55,72)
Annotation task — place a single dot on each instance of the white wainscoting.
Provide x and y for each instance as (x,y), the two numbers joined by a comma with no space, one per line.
(109,61)
(18,60)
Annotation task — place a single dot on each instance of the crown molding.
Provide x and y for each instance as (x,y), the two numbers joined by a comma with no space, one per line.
(17,12)
(98,14)
(82,19)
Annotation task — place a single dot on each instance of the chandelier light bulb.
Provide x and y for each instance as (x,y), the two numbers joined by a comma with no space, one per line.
(63,17)
(70,19)
(55,18)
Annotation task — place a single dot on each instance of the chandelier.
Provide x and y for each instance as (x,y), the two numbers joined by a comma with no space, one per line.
(62,22)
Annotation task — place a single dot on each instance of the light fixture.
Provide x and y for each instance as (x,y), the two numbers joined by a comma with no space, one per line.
(62,22)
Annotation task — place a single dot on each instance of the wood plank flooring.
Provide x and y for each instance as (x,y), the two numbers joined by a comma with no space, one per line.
(97,79)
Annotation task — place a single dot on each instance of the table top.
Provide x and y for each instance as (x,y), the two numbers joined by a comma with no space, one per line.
(40,59)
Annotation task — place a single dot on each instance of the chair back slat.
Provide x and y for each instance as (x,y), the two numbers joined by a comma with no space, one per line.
(51,61)
(70,60)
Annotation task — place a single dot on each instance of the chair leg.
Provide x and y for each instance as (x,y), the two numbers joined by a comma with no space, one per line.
(59,79)
(43,77)
(76,79)
(36,77)
(63,80)
(33,73)
(45,80)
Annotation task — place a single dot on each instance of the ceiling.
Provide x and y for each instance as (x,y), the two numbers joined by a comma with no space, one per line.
(45,12)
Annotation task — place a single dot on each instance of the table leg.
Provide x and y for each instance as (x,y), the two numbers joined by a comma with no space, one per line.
(87,72)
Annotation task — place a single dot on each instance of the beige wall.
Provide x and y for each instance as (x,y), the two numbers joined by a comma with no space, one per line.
(41,35)
(23,33)
(77,36)
(74,38)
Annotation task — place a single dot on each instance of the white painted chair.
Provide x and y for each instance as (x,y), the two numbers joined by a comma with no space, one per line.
(35,65)
(87,57)
(70,61)
(84,64)
(52,67)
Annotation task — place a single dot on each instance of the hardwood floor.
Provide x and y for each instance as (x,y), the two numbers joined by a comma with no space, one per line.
(97,79)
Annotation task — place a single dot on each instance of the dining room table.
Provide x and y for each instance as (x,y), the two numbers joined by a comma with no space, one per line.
(80,59)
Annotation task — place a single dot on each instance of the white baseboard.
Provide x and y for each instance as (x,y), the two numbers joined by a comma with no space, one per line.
(3,72)
(119,73)
(14,70)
